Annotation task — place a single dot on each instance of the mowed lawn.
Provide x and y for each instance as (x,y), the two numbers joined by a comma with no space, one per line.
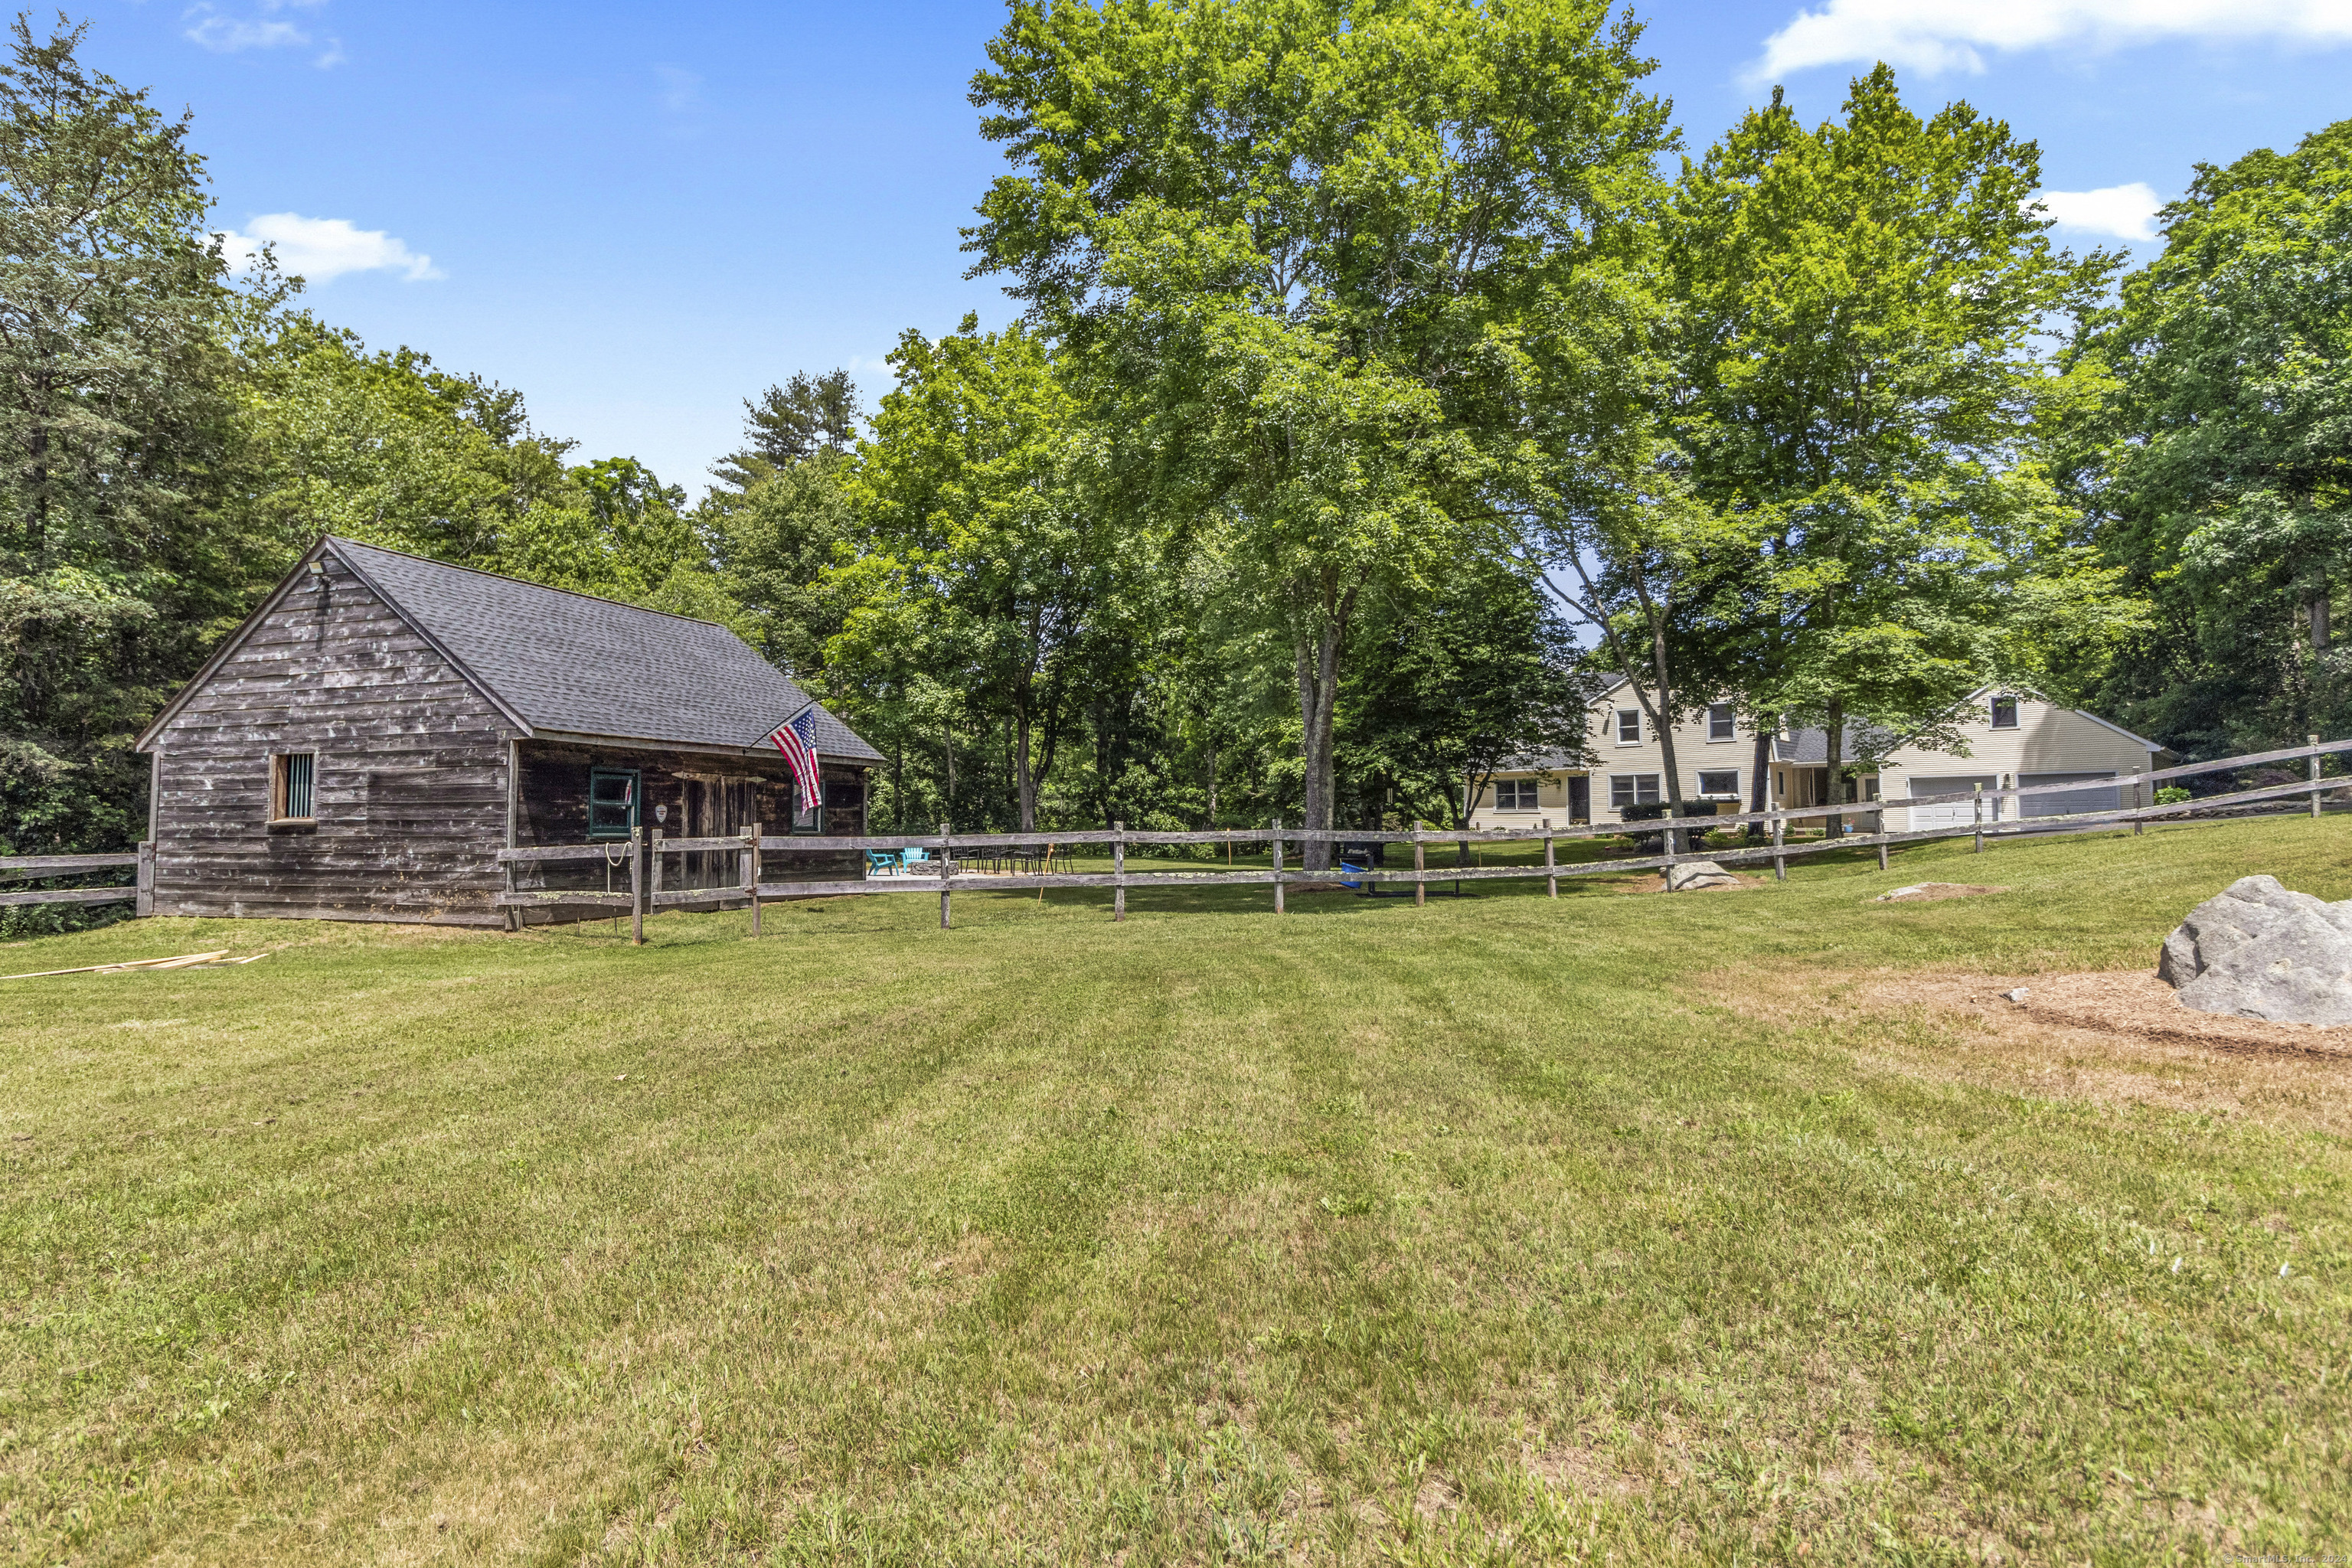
(1505,1230)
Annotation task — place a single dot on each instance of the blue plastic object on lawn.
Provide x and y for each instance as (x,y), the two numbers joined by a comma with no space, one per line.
(880,862)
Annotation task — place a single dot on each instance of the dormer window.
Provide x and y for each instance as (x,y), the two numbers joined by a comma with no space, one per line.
(2004,713)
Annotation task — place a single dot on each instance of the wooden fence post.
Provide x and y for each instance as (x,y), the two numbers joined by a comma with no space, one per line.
(1119,871)
(654,872)
(947,852)
(1419,866)
(1780,860)
(1277,865)
(1550,883)
(2315,778)
(144,905)
(1979,819)
(638,881)
(1878,827)
(751,876)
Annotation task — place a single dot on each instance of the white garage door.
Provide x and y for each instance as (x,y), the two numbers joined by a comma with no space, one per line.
(2096,797)
(1955,812)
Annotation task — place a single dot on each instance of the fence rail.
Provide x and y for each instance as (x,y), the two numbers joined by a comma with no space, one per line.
(141,890)
(943,875)
(646,852)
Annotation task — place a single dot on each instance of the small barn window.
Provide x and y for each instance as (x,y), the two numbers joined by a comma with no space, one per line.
(291,797)
(2004,713)
(613,795)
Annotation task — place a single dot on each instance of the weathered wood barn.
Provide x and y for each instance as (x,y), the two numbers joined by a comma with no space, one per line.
(361,747)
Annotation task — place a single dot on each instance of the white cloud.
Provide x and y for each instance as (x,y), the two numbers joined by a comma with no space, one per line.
(322,247)
(229,35)
(2119,212)
(1933,35)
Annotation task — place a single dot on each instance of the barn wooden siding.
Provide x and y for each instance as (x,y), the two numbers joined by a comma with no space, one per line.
(707,794)
(409,789)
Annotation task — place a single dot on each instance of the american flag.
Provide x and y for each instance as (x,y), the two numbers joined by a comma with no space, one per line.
(797,740)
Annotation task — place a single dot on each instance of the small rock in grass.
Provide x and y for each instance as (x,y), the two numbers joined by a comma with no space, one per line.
(1691,874)
(2019,995)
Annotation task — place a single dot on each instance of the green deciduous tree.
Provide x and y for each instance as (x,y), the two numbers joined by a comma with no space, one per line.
(1451,687)
(982,559)
(1281,239)
(114,418)
(2225,476)
(1860,369)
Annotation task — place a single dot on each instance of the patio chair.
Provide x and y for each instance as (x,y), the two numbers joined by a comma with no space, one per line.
(881,863)
(912,858)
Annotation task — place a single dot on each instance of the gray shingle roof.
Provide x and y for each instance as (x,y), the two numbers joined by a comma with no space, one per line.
(1811,747)
(594,667)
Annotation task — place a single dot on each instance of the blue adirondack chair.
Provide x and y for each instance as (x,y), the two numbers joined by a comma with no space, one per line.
(880,863)
(910,859)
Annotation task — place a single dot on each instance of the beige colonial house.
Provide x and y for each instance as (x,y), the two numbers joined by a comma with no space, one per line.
(2015,738)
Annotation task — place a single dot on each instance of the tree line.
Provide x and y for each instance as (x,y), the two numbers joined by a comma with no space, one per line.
(1387,377)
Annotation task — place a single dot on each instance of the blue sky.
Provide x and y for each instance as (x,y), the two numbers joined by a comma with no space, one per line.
(640,215)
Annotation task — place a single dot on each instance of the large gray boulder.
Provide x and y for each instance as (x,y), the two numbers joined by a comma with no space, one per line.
(2256,950)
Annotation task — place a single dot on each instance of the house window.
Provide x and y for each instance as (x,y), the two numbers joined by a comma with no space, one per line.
(2004,713)
(291,796)
(1719,721)
(1515,794)
(613,794)
(1725,782)
(1632,789)
(1629,726)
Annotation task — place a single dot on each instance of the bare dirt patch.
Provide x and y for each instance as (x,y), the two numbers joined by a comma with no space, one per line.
(2132,1003)
(1928,893)
(1953,1027)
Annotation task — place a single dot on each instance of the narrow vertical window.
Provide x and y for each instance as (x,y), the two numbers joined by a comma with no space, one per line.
(1629,726)
(2004,713)
(612,802)
(290,792)
(1721,723)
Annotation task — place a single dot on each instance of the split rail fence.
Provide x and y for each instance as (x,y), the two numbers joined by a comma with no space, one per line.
(647,851)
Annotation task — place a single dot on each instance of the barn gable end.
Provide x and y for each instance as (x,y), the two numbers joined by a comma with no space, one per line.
(410,772)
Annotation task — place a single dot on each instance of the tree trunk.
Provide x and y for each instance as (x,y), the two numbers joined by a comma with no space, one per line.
(2319,629)
(1834,826)
(1679,842)
(1024,781)
(1759,787)
(947,749)
(1318,658)
(1213,783)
